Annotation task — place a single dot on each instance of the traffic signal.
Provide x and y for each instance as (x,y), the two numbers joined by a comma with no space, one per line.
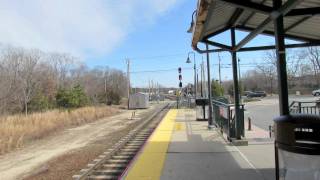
(179,70)
(180,84)
(180,77)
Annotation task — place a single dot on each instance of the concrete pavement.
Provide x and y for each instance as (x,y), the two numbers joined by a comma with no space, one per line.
(197,153)
(194,152)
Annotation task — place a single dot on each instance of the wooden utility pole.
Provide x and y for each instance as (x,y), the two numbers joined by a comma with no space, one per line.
(149,91)
(128,80)
(219,68)
(105,86)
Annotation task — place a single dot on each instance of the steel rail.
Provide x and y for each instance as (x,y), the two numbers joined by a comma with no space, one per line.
(121,144)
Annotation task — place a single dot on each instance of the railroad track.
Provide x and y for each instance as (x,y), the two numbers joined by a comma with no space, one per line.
(112,163)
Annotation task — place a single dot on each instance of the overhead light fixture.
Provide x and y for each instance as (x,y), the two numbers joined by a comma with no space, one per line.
(192,22)
(191,27)
(188,60)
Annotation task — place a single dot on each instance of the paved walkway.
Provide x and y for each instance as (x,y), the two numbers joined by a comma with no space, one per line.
(182,149)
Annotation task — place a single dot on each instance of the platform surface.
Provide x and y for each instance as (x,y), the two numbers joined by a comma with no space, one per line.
(184,149)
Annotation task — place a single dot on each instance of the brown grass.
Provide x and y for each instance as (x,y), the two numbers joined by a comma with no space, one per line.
(17,130)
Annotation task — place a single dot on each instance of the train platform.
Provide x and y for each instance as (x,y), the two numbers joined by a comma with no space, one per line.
(182,148)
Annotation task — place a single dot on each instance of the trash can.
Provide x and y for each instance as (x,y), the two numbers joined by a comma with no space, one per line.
(297,147)
(202,109)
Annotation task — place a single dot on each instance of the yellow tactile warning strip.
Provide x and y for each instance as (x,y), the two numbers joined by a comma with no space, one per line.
(151,160)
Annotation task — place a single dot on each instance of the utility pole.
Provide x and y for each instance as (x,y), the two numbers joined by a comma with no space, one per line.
(240,84)
(105,86)
(149,91)
(152,90)
(128,80)
(201,79)
(210,120)
(219,68)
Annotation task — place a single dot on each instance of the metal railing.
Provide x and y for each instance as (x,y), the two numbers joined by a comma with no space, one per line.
(224,118)
(305,107)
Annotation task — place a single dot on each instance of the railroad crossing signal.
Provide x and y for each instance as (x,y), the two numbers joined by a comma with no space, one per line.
(180,77)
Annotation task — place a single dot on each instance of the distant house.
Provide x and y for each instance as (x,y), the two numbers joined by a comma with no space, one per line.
(171,92)
(139,101)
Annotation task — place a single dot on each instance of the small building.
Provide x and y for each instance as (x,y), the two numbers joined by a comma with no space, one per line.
(171,91)
(139,101)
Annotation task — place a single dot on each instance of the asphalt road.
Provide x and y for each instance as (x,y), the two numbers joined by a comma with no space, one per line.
(262,112)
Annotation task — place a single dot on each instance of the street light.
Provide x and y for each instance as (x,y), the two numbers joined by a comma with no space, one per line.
(297,147)
(194,68)
(192,22)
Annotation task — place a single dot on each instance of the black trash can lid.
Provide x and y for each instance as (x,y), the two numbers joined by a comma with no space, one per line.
(202,101)
(298,133)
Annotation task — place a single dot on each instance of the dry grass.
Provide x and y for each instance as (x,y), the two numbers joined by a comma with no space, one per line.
(17,130)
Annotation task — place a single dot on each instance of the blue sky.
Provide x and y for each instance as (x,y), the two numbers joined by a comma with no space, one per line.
(164,45)
(151,33)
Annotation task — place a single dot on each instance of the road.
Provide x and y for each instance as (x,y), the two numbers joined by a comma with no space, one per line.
(262,112)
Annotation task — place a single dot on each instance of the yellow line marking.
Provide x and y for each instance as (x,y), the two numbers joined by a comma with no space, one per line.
(150,162)
(179,127)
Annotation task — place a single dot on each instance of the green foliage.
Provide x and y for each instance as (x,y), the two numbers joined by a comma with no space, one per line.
(72,98)
(217,89)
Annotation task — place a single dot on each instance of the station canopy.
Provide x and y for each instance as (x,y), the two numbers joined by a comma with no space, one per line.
(212,17)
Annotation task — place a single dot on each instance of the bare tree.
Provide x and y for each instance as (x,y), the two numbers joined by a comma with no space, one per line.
(27,76)
(313,54)
(30,76)
(269,69)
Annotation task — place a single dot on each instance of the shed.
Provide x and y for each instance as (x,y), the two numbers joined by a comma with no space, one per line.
(139,101)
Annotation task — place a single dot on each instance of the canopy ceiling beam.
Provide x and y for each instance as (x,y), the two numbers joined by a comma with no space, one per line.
(304,11)
(270,33)
(216,32)
(284,9)
(297,23)
(219,45)
(260,8)
(262,48)
(235,17)
(251,14)
(249,5)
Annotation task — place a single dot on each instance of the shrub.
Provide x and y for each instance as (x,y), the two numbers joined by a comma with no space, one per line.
(72,98)
(217,89)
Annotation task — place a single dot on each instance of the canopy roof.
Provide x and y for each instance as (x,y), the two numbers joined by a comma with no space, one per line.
(301,20)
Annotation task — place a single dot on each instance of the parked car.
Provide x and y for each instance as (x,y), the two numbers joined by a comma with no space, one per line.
(316,92)
(256,94)
(245,93)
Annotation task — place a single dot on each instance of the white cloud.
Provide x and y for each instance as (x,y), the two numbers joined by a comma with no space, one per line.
(81,27)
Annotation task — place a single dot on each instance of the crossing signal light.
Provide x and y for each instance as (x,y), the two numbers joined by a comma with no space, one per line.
(180,84)
(180,77)
(179,69)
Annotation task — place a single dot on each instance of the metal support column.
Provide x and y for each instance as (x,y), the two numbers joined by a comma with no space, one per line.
(235,86)
(281,62)
(210,120)
(195,77)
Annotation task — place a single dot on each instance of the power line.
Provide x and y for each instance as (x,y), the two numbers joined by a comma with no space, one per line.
(159,57)
(213,65)
(159,70)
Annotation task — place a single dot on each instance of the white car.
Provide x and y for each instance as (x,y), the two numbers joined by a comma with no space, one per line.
(316,92)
